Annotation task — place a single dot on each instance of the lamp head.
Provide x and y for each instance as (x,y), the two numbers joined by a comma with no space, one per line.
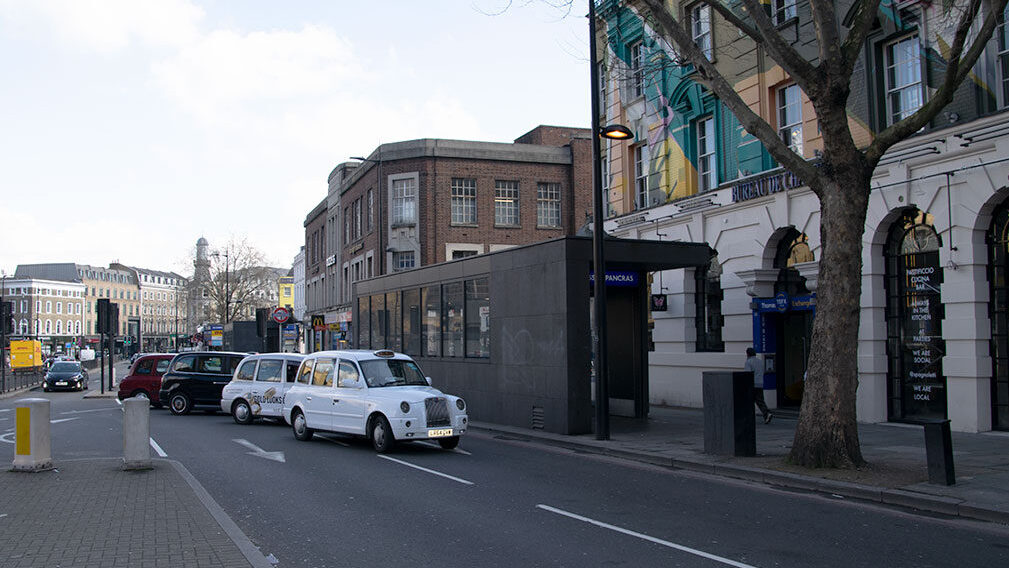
(616,132)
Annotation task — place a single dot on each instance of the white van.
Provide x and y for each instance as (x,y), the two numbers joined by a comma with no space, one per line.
(258,387)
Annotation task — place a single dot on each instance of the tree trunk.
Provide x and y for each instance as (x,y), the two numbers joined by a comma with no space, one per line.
(827,433)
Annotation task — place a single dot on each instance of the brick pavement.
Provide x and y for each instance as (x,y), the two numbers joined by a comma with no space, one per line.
(92,513)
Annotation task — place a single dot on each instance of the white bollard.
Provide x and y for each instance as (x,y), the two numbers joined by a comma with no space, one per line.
(136,433)
(32,444)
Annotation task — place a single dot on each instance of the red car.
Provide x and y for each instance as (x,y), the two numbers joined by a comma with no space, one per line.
(144,378)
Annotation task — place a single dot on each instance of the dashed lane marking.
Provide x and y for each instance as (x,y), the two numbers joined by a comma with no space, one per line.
(652,539)
(424,469)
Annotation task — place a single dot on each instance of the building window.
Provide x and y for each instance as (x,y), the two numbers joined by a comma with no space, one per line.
(477,318)
(506,203)
(463,201)
(708,306)
(700,27)
(452,319)
(49,307)
(640,178)
(457,254)
(790,117)
(903,79)
(707,176)
(346,225)
(371,209)
(403,260)
(404,201)
(784,10)
(1002,33)
(548,205)
(637,69)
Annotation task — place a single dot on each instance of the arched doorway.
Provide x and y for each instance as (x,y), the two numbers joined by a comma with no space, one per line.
(998,307)
(795,325)
(916,386)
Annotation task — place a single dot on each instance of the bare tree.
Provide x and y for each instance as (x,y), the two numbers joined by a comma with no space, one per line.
(239,280)
(827,434)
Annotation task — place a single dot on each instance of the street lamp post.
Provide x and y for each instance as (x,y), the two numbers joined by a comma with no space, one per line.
(615,132)
(227,286)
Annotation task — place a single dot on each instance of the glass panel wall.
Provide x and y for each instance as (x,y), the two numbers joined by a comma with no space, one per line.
(477,315)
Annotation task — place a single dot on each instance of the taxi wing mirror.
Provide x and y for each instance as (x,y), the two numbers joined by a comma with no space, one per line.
(429,383)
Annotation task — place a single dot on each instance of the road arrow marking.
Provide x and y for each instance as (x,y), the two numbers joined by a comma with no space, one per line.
(260,452)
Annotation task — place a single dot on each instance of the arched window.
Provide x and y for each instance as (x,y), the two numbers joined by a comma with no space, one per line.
(916,386)
(998,309)
(793,249)
(708,319)
(23,327)
(59,327)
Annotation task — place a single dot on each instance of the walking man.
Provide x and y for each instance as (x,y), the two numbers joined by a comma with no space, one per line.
(754,364)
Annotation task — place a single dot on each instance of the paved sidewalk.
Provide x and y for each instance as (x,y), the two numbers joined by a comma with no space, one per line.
(897,473)
(92,513)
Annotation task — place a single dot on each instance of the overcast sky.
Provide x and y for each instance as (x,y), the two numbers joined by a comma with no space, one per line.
(130,128)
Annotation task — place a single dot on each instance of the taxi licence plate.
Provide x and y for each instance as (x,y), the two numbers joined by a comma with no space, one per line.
(439,433)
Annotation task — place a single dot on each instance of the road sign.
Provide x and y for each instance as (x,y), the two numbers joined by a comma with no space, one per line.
(280,315)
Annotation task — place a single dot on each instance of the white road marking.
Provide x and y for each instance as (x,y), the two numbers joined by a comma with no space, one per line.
(157,449)
(437,447)
(86,411)
(58,420)
(652,539)
(260,452)
(8,437)
(119,402)
(338,442)
(424,469)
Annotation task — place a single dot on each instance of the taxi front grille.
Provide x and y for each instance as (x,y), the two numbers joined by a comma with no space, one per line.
(436,409)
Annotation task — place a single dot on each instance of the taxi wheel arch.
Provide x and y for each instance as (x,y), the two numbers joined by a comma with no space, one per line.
(300,426)
(241,411)
(380,433)
(179,403)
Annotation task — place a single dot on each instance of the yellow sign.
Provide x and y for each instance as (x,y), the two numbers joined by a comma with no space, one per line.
(285,292)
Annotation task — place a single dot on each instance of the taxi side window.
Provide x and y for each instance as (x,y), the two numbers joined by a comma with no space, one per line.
(187,363)
(348,373)
(323,375)
(269,370)
(245,371)
(162,366)
(306,372)
(292,371)
(144,367)
(210,364)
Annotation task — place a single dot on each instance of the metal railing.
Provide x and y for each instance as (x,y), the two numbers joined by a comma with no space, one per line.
(18,379)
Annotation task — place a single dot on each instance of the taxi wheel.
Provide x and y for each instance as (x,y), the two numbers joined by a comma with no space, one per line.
(179,404)
(381,435)
(301,430)
(241,412)
(449,443)
(140,393)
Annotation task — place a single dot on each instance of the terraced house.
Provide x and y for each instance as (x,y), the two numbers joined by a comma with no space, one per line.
(933,340)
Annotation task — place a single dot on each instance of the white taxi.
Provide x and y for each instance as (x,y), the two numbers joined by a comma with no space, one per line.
(379,394)
(259,385)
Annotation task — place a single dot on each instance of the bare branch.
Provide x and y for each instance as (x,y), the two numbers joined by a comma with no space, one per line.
(861,24)
(957,70)
(708,76)
(801,71)
(825,23)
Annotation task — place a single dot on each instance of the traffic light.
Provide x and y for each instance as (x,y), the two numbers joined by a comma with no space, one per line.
(262,315)
(108,316)
(7,314)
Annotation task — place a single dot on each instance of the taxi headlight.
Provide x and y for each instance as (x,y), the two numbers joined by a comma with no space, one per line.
(404,407)
(460,404)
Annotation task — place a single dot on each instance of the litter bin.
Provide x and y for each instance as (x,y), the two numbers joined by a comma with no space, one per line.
(729,425)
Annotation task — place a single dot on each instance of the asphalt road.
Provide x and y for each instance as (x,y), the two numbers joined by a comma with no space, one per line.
(501,502)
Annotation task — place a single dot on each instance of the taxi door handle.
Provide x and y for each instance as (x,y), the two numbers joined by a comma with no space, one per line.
(308,398)
(336,400)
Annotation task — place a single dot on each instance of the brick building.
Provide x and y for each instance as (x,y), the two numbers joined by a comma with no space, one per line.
(421,202)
